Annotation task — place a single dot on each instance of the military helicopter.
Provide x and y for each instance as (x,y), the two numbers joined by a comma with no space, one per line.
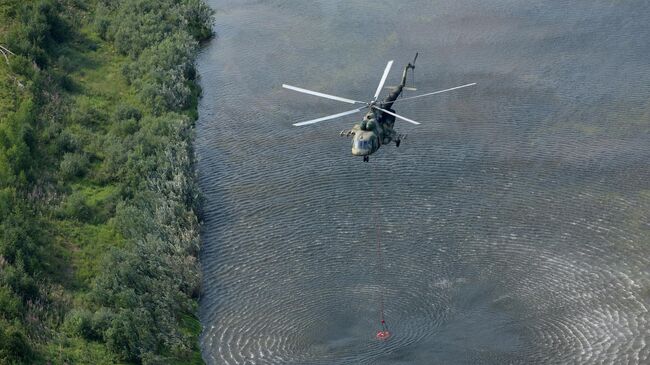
(376,129)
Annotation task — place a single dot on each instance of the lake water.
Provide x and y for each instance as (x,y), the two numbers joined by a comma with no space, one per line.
(514,221)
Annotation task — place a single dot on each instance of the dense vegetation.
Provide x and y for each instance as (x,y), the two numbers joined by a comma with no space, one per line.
(98,202)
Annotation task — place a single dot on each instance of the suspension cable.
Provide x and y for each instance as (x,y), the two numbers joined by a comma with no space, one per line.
(380,259)
(382,334)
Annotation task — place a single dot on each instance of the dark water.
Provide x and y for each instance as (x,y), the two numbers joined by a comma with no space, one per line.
(514,220)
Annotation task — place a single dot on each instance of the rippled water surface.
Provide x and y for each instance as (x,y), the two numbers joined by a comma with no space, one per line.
(513,221)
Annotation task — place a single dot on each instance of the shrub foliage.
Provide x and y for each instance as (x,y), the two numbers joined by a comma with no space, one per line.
(98,201)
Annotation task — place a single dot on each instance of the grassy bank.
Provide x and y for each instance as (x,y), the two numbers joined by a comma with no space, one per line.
(98,201)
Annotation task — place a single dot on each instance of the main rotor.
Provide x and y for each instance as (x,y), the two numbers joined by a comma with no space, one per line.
(372,104)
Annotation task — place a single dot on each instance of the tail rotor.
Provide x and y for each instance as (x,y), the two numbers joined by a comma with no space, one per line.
(410,66)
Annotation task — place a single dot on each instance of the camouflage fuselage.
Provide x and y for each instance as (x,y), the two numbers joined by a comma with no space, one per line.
(376,129)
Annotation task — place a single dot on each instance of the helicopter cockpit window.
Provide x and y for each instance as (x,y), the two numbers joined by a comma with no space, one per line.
(361,144)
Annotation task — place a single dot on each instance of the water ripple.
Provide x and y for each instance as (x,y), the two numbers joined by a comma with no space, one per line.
(513,222)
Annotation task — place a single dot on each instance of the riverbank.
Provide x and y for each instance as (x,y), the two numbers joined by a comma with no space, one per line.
(98,195)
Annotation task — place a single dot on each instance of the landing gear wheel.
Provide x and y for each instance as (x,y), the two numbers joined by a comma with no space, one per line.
(366,158)
(398,142)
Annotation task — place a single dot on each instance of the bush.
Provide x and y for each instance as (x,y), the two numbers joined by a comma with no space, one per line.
(127,112)
(130,335)
(199,17)
(136,25)
(73,165)
(67,141)
(10,305)
(7,198)
(19,246)
(16,142)
(139,24)
(75,207)
(162,73)
(78,322)
(116,148)
(39,29)
(101,321)
(88,115)
(14,348)
(20,282)
(102,21)
(66,64)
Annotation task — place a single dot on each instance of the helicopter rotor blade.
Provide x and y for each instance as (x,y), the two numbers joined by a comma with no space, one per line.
(322,95)
(396,115)
(383,79)
(329,117)
(436,92)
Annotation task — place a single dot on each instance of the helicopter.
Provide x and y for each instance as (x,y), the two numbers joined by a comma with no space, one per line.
(376,128)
